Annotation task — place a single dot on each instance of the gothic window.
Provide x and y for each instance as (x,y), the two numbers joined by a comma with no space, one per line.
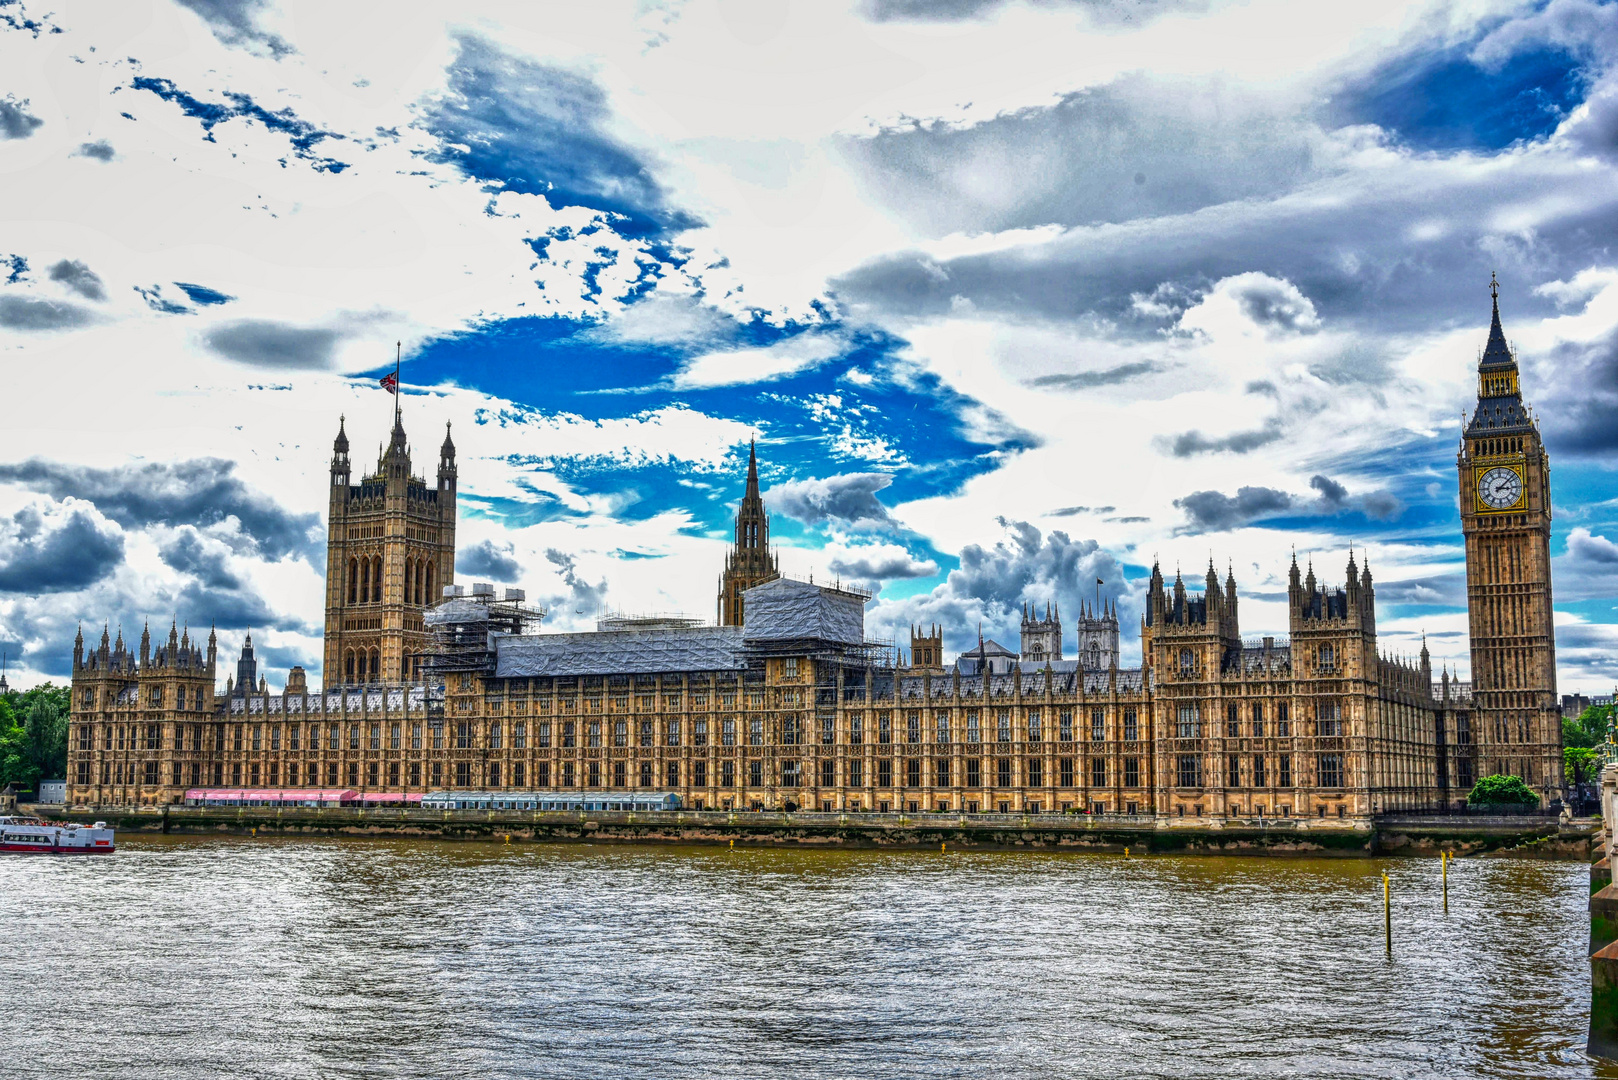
(1098,772)
(1258,722)
(1331,770)
(1131,772)
(1187,661)
(1002,769)
(1187,727)
(376,580)
(913,728)
(1327,658)
(348,666)
(430,581)
(1065,725)
(1189,771)
(1283,722)
(941,776)
(884,728)
(1258,770)
(913,772)
(884,772)
(1003,727)
(409,580)
(974,772)
(1098,725)
(1064,772)
(1233,725)
(973,734)
(1131,725)
(674,775)
(365,582)
(353,581)
(856,730)
(943,729)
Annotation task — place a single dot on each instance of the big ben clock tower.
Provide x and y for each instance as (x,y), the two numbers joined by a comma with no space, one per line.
(1506,518)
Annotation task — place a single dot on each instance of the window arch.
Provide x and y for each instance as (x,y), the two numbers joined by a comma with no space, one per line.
(376,580)
(410,580)
(353,580)
(365,581)
(348,666)
(1186,660)
(430,576)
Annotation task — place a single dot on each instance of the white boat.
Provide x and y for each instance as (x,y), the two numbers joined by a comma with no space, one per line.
(34,836)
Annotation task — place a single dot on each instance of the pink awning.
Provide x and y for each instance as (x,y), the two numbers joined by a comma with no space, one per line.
(272,794)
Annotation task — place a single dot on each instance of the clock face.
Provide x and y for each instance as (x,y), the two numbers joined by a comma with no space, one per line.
(1500,488)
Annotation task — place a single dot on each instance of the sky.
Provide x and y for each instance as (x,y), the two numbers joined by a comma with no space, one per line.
(1012,294)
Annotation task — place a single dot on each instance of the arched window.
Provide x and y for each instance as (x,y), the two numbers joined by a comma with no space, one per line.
(348,666)
(430,576)
(410,580)
(422,596)
(1186,660)
(1328,657)
(353,580)
(365,582)
(375,659)
(376,580)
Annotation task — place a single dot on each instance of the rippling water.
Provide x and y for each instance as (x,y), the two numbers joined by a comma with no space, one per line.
(244,958)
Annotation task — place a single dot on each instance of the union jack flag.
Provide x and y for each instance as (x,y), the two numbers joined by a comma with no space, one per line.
(390,382)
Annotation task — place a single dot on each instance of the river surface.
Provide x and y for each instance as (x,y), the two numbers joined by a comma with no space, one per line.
(240,957)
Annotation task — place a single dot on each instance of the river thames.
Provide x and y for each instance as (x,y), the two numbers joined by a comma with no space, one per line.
(241,957)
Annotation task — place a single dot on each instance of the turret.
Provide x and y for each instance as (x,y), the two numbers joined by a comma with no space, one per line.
(213,649)
(340,468)
(145,646)
(446,463)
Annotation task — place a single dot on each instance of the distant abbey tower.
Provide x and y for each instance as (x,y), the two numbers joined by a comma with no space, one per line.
(1098,636)
(927,647)
(750,562)
(390,547)
(1041,638)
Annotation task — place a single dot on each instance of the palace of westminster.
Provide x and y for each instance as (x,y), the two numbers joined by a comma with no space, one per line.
(784,703)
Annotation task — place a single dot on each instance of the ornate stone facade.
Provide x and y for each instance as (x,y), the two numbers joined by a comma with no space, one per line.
(784,703)
(1505,482)
(390,548)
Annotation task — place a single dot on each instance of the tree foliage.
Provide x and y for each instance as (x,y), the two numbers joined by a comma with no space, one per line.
(1502,791)
(1589,728)
(1579,764)
(33,736)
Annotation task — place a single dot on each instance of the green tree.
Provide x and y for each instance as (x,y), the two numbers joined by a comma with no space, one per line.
(1502,791)
(1579,764)
(1589,728)
(33,736)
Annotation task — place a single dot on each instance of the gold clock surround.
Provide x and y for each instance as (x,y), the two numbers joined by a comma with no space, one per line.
(1514,465)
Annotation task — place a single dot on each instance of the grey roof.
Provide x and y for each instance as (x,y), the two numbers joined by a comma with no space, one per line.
(461,609)
(788,610)
(621,652)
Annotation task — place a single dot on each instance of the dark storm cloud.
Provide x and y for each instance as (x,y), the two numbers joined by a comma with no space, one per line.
(581,596)
(1345,244)
(80,278)
(1085,380)
(1138,147)
(881,565)
(1195,442)
(16,122)
(489,561)
(1588,569)
(1214,511)
(29,313)
(992,583)
(217,588)
(544,130)
(264,343)
(48,550)
(235,22)
(1579,386)
(201,491)
(100,150)
(849,499)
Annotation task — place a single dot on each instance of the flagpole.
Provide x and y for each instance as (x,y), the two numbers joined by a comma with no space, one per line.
(398,355)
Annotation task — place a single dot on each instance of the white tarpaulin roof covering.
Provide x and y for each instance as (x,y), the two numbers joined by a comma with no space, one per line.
(621,652)
(788,610)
